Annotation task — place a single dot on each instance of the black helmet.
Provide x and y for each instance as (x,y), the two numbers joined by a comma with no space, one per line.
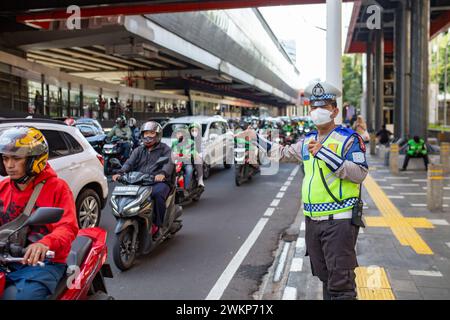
(152,126)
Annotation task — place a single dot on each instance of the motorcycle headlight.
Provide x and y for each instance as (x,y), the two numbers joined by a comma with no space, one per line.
(133,210)
(288,134)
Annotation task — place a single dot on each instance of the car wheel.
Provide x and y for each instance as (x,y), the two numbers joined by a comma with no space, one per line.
(88,209)
(206,170)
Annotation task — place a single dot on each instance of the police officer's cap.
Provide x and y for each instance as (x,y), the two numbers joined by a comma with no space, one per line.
(321,93)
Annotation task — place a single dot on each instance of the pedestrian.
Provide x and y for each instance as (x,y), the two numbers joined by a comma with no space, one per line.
(335,166)
(112,108)
(39,102)
(101,106)
(416,149)
(360,127)
(384,136)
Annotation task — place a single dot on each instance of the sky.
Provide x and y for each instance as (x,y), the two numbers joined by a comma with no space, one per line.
(305,24)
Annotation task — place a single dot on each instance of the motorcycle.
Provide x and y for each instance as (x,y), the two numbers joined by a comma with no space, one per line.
(244,169)
(133,209)
(113,155)
(183,195)
(87,267)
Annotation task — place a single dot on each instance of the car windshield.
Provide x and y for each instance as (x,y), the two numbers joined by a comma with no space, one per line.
(170,127)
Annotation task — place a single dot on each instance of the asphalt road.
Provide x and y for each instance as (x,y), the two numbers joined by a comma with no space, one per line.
(188,266)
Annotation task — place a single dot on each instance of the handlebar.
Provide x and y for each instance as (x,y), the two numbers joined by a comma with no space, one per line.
(10,259)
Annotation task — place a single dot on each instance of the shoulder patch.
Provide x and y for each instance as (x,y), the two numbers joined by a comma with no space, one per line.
(362,145)
(358,157)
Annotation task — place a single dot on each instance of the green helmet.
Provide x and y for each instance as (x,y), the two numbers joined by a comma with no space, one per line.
(195,125)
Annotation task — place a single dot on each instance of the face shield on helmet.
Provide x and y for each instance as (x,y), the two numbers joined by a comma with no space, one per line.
(151,126)
(132,122)
(25,142)
(70,122)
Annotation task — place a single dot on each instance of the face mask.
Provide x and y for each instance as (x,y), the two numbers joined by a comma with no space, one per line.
(194,134)
(321,116)
(149,140)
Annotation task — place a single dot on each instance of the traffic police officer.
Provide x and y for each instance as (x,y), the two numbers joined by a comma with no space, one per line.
(334,166)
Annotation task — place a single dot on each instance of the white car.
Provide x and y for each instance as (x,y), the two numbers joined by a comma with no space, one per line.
(75,161)
(217,140)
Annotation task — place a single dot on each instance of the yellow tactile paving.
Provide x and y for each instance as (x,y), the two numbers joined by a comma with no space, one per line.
(403,228)
(372,284)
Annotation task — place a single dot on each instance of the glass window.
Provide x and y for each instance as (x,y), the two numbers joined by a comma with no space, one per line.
(56,143)
(76,147)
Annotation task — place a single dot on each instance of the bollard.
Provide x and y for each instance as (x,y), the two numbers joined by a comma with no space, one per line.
(393,158)
(373,144)
(435,187)
(445,156)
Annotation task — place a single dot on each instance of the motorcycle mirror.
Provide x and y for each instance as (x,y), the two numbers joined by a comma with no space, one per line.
(44,215)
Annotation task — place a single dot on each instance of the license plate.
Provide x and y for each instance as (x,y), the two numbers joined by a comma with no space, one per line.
(125,191)
(110,146)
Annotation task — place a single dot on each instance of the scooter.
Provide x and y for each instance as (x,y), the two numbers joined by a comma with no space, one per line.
(87,267)
(244,170)
(113,156)
(184,195)
(134,211)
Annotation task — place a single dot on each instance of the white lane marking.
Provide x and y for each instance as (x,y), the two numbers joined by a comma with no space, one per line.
(425,273)
(413,193)
(448,244)
(275,203)
(396,197)
(387,187)
(365,207)
(287,183)
(419,180)
(300,243)
(290,293)
(397,177)
(297,265)
(290,178)
(418,204)
(446,188)
(446,198)
(280,195)
(439,222)
(283,188)
(380,180)
(425,188)
(226,276)
(294,172)
(302,226)
(269,212)
(281,263)
(405,185)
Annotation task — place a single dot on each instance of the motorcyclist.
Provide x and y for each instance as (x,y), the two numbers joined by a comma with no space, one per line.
(247,143)
(24,155)
(70,122)
(143,159)
(122,130)
(135,132)
(195,130)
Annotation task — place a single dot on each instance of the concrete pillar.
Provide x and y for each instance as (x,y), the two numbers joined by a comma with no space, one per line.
(445,156)
(420,35)
(334,48)
(373,144)
(435,187)
(393,158)
(369,89)
(379,78)
(399,63)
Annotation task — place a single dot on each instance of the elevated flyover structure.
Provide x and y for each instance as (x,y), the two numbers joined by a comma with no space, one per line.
(225,62)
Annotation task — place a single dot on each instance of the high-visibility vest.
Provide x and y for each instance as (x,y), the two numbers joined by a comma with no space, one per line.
(415,148)
(316,199)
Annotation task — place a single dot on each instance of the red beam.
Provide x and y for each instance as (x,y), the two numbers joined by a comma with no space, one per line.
(440,24)
(52,15)
(354,18)
(361,47)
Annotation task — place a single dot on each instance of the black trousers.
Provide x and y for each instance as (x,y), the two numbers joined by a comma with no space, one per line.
(424,156)
(330,245)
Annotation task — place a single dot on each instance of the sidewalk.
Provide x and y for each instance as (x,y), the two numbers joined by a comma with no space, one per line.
(403,253)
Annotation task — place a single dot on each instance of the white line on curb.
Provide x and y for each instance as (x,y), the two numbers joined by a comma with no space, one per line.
(281,263)
(225,278)
(297,265)
(300,243)
(302,226)
(275,203)
(269,212)
(290,293)
(425,273)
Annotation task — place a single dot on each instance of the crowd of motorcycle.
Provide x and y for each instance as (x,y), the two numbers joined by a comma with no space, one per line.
(132,204)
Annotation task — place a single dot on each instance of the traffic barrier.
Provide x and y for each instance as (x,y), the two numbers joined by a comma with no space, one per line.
(393,158)
(435,187)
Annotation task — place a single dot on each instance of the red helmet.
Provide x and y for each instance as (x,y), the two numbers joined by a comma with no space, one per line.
(70,122)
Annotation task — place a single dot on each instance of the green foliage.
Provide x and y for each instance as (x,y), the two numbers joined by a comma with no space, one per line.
(437,62)
(352,79)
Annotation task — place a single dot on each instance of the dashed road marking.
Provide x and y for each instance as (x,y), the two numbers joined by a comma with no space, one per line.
(387,187)
(396,197)
(297,265)
(290,178)
(419,180)
(290,293)
(405,185)
(397,177)
(418,204)
(413,193)
(275,203)
(280,195)
(294,172)
(283,188)
(269,212)
(425,273)
(439,222)
(287,183)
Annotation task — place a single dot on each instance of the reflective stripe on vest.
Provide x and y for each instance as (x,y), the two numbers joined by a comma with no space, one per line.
(316,199)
